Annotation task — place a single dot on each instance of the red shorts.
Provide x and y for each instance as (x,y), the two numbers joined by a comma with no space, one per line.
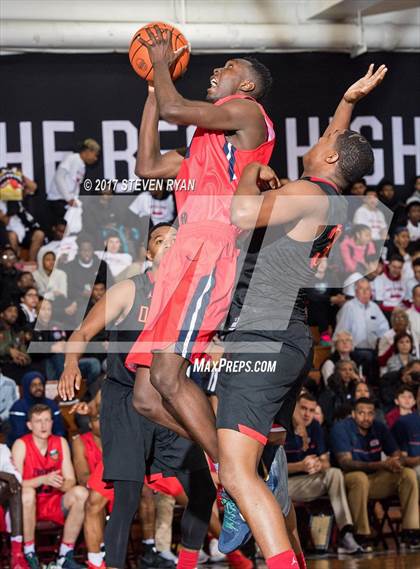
(192,293)
(96,484)
(169,485)
(49,508)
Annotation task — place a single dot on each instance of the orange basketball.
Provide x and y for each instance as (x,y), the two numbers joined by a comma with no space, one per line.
(139,56)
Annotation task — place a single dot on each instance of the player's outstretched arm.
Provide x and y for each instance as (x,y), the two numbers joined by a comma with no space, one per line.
(174,108)
(112,305)
(150,163)
(260,201)
(362,87)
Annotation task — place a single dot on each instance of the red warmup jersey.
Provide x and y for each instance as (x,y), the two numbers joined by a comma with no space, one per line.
(215,165)
(37,464)
(93,453)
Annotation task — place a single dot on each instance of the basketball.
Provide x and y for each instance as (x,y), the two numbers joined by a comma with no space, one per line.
(139,56)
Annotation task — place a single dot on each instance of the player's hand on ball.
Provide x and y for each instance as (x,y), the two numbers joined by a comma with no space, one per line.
(70,379)
(366,84)
(160,46)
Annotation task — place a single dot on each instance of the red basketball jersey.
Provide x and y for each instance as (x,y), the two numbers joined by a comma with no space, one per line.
(93,453)
(211,170)
(37,464)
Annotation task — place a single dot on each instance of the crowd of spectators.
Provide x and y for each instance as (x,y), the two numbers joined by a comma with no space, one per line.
(360,438)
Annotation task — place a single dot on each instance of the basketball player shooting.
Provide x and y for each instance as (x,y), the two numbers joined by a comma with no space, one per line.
(193,290)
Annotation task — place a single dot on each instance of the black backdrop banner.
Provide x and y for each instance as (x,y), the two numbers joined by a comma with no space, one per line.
(52,101)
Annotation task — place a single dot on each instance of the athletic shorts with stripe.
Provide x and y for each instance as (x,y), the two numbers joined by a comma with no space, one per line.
(251,401)
(192,293)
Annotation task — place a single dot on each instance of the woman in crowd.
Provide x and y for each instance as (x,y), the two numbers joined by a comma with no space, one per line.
(403,349)
(399,325)
(343,351)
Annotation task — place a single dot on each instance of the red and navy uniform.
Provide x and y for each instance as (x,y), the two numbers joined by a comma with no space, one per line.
(48,499)
(193,290)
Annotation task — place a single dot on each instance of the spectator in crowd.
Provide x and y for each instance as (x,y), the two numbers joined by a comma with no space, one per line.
(355,249)
(116,261)
(391,382)
(8,395)
(412,282)
(356,191)
(340,390)
(399,245)
(23,229)
(153,207)
(389,288)
(138,266)
(33,386)
(413,313)
(27,308)
(14,360)
(407,434)
(360,389)
(53,495)
(9,274)
(358,443)
(404,401)
(63,246)
(24,281)
(11,498)
(51,282)
(413,224)
(343,350)
(365,322)
(81,275)
(388,196)
(311,475)
(374,268)
(64,189)
(403,349)
(400,324)
(369,214)
(415,196)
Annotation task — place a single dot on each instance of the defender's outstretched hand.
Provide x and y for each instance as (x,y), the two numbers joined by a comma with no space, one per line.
(366,84)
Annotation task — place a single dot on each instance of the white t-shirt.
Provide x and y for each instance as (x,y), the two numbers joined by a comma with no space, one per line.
(391,293)
(160,211)
(374,219)
(6,463)
(15,223)
(66,181)
(117,262)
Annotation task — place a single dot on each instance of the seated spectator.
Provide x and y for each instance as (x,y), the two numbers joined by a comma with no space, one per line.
(391,382)
(355,249)
(412,282)
(14,361)
(27,308)
(366,323)
(51,282)
(358,443)
(8,395)
(413,313)
(369,214)
(340,390)
(153,207)
(11,498)
(23,229)
(406,431)
(389,288)
(24,281)
(357,189)
(63,246)
(81,275)
(138,266)
(399,244)
(403,349)
(9,274)
(343,350)
(311,475)
(33,385)
(415,196)
(404,401)
(400,325)
(388,196)
(413,224)
(360,389)
(116,261)
(375,267)
(53,495)
(52,358)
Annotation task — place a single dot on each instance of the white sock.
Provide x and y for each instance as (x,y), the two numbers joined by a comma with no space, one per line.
(149,541)
(17,538)
(29,547)
(65,548)
(95,558)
